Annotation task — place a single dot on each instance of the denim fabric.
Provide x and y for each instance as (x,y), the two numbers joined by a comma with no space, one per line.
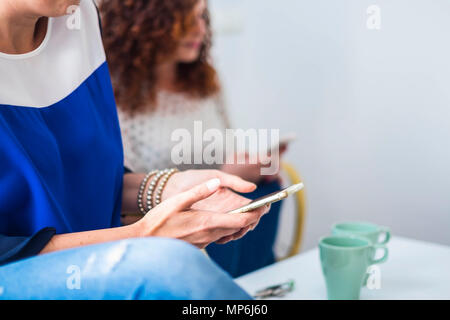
(152,268)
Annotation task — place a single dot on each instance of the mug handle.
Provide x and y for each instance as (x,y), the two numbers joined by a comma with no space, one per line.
(383,258)
(387,235)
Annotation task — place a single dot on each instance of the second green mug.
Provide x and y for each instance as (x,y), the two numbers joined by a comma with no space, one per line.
(376,234)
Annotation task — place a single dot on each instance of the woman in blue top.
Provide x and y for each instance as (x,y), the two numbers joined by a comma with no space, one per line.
(62,181)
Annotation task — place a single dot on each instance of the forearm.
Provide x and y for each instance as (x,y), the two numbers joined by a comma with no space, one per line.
(79,239)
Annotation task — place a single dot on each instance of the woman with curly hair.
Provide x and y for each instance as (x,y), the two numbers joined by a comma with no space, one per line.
(159,55)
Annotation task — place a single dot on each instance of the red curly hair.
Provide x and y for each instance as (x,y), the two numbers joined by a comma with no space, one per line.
(140,34)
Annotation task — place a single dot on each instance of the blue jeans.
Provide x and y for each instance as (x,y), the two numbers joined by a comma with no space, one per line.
(152,268)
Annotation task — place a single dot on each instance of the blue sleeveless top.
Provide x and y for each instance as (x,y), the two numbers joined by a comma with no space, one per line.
(61,158)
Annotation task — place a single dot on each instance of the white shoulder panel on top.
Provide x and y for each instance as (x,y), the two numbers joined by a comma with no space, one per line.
(65,59)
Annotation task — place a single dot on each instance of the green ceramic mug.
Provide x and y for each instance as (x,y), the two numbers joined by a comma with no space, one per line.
(345,260)
(376,234)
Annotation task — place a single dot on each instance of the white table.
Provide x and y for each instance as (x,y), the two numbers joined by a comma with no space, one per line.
(414,270)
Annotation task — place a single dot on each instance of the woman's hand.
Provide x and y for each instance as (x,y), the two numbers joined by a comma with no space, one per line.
(248,172)
(194,217)
(225,200)
(179,182)
(183,181)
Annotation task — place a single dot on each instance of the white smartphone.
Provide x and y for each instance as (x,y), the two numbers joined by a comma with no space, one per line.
(270,198)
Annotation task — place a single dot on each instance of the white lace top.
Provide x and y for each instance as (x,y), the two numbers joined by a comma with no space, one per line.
(147,135)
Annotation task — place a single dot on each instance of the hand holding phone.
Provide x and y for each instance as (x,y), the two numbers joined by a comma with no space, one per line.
(270,198)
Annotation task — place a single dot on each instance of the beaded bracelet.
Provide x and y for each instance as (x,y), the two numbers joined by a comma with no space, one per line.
(163,184)
(141,191)
(152,187)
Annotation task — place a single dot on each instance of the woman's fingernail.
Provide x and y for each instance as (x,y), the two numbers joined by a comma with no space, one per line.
(213,184)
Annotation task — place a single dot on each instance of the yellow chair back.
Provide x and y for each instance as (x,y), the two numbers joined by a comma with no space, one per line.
(300,203)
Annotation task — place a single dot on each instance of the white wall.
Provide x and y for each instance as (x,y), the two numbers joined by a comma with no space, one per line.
(371,108)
